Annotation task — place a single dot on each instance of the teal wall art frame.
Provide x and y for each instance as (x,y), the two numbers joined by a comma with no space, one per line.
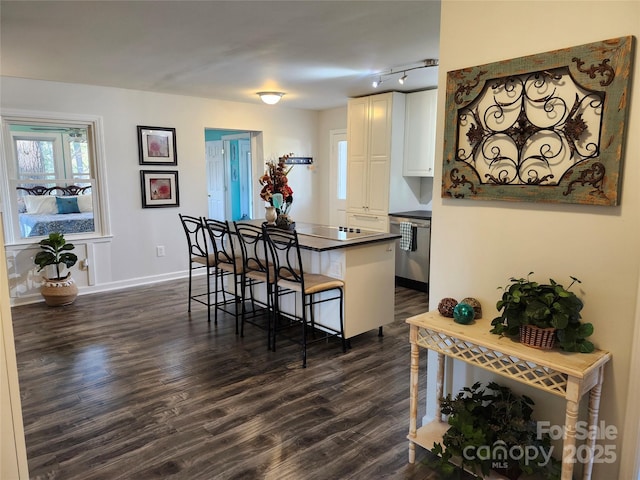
(548,127)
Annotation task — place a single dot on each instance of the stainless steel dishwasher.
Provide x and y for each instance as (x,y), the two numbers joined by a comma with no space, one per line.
(412,266)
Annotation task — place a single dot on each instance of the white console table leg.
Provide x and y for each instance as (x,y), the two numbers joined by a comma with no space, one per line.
(594,407)
(569,445)
(413,392)
(439,385)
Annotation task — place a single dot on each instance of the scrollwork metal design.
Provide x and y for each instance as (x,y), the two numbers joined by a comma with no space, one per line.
(529,129)
(548,127)
(460,181)
(466,87)
(604,69)
(594,176)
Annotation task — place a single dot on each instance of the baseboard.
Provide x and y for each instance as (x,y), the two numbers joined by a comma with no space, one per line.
(108,287)
(412,284)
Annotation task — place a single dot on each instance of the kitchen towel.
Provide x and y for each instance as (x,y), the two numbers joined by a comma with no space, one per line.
(409,235)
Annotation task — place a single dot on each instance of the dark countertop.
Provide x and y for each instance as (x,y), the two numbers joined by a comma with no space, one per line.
(311,237)
(422,214)
(319,242)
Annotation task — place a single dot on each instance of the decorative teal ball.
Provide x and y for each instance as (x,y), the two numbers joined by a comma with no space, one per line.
(463,313)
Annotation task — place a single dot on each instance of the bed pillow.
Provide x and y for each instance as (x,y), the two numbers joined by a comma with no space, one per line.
(67,205)
(85,203)
(41,204)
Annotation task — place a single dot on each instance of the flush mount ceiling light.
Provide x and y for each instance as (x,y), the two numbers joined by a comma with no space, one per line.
(270,98)
(382,76)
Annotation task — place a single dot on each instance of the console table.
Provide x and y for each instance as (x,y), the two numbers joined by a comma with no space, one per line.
(568,375)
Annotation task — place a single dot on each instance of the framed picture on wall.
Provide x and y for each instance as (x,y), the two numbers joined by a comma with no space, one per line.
(159,189)
(157,146)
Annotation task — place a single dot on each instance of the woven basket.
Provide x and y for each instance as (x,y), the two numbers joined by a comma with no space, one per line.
(536,337)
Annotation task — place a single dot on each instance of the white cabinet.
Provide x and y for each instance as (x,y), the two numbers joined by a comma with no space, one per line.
(420,133)
(375,136)
(374,223)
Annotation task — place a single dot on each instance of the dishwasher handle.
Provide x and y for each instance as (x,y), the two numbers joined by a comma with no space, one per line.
(413,224)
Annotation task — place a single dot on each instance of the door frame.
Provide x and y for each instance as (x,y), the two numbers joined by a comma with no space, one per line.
(241,135)
(217,144)
(255,164)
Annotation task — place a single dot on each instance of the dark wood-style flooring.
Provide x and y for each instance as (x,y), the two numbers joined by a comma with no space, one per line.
(128,385)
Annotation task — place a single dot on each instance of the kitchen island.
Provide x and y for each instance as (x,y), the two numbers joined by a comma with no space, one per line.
(365,261)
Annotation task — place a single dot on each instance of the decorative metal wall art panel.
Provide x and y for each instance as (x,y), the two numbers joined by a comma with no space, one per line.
(545,128)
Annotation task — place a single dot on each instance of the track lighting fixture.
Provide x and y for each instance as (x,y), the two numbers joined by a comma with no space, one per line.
(382,76)
(270,98)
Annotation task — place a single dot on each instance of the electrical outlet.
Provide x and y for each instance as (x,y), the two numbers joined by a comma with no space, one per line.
(160,251)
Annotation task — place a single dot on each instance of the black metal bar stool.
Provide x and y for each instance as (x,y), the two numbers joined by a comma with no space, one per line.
(255,271)
(228,266)
(199,257)
(290,278)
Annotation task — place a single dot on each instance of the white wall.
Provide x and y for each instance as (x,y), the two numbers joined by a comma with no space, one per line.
(131,258)
(477,245)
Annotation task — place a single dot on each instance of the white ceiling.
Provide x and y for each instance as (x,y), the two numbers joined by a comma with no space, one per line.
(318,52)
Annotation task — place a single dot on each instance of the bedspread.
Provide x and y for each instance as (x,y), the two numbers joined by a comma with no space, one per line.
(36,225)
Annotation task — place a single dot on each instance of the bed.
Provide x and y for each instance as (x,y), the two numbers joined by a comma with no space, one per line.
(43,210)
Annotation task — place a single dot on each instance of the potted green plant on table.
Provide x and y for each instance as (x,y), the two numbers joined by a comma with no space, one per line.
(57,289)
(492,429)
(543,315)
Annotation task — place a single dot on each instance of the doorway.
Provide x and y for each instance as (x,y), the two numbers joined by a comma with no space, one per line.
(228,155)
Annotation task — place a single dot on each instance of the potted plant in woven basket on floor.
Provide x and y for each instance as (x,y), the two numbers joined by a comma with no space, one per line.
(543,315)
(57,289)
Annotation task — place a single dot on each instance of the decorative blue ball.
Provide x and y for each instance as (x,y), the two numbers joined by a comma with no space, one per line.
(463,313)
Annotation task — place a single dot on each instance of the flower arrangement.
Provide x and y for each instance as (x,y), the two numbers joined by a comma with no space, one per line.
(275,185)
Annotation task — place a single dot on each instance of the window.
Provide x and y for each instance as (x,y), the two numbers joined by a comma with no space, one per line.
(338,177)
(55,153)
(45,159)
(342,170)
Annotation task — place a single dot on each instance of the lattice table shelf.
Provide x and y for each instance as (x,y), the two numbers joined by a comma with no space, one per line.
(568,375)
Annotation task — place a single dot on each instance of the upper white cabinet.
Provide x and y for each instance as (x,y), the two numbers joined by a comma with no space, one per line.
(375,134)
(420,133)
